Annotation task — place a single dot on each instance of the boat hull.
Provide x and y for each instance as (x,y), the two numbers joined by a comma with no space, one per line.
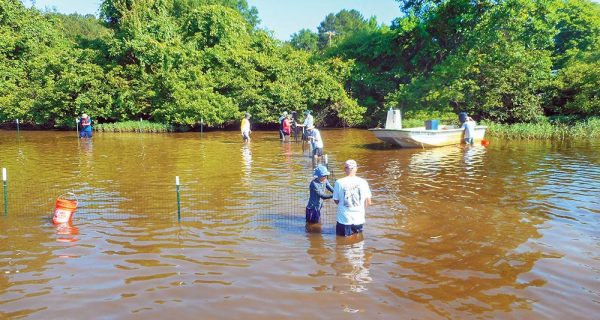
(422,138)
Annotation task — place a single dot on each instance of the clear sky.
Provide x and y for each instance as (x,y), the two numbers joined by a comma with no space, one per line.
(283,17)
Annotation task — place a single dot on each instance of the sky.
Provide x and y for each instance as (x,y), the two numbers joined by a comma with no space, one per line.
(283,17)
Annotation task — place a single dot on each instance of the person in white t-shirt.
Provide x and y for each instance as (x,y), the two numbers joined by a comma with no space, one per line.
(469,127)
(352,195)
(316,141)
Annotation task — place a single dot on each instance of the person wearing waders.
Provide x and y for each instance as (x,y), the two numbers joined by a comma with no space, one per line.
(86,126)
(318,192)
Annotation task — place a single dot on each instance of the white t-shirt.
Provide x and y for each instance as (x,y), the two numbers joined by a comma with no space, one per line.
(317,140)
(351,192)
(469,127)
(309,121)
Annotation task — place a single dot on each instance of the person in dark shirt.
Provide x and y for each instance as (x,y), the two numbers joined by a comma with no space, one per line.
(317,189)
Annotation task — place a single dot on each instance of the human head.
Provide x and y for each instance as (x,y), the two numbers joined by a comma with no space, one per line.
(350,166)
(84,115)
(248,115)
(307,112)
(285,113)
(321,172)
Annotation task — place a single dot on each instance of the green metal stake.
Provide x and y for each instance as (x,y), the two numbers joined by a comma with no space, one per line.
(178,200)
(5,192)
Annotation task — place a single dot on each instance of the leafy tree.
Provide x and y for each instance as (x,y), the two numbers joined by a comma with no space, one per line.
(305,40)
(337,26)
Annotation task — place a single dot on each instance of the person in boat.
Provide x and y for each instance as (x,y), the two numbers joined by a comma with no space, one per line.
(352,195)
(287,128)
(86,126)
(245,127)
(318,193)
(469,127)
(314,136)
(283,116)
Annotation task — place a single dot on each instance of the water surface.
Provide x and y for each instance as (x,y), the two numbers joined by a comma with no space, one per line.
(508,231)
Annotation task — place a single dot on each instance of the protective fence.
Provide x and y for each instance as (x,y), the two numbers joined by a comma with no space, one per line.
(178,200)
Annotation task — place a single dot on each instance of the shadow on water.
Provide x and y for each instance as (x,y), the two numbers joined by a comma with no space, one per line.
(377,146)
(291,224)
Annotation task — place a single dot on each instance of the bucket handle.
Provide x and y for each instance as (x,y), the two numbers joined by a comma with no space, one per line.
(70,193)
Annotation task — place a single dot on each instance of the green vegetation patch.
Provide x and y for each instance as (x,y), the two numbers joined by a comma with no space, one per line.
(133,126)
(554,130)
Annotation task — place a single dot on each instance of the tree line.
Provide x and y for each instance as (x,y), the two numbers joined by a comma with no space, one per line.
(183,62)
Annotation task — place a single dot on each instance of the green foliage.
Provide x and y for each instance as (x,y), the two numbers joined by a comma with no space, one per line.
(305,40)
(491,60)
(81,29)
(584,129)
(577,86)
(335,27)
(182,62)
(177,62)
(133,126)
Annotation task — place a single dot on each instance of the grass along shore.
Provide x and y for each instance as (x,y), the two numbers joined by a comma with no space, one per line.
(133,126)
(583,129)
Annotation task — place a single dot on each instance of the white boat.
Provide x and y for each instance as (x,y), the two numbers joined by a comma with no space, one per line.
(420,137)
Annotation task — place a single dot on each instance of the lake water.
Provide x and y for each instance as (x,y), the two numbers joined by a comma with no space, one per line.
(507,231)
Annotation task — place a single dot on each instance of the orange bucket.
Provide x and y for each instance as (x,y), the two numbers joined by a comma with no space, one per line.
(64,209)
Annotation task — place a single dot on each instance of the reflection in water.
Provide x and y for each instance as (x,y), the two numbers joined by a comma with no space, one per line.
(246,163)
(66,232)
(318,252)
(352,263)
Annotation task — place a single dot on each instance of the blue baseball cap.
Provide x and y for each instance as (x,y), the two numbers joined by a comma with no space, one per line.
(321,171)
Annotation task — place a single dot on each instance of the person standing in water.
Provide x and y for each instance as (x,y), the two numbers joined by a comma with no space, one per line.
(352,195)
(86,126)
(287,128)
(317,189)
(469,127)
(316,141)
(283,116)
(245,127)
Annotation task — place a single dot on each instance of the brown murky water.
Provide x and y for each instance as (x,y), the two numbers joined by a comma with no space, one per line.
(508,231)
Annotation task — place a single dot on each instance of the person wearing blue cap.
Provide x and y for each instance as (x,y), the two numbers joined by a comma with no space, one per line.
(317,189)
